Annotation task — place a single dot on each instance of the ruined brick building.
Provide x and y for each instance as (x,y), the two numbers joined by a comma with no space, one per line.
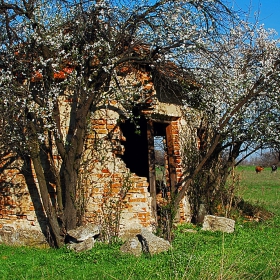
(118,174)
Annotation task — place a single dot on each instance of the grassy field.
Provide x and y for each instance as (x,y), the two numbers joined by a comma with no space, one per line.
(262,188)
(251,252)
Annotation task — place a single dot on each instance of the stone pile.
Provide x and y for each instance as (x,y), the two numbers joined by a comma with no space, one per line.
(83,237)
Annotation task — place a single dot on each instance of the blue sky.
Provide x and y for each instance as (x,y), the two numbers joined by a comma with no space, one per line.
(269,11)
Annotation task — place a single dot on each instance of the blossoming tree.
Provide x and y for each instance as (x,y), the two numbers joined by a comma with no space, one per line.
(52,47)
(239,98)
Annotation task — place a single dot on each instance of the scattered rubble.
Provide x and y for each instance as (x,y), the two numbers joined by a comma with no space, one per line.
(83,237)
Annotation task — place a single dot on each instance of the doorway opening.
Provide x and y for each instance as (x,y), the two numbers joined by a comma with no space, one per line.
(136,146)
(151,151)
(161,159)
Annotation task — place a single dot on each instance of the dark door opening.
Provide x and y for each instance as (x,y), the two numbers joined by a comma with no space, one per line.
(148,149)
(136,146)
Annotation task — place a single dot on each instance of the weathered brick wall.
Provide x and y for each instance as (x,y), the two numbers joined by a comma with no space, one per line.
(20,223)
(185,213)
(111,195)
(110,185)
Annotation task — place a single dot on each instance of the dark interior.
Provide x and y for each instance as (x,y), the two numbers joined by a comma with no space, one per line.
(136,146)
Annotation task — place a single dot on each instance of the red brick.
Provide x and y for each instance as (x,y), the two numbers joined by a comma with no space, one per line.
(111,127)
(105,170)
(113,102)
(98,121)
(99,127)
(101,131)
(137,199)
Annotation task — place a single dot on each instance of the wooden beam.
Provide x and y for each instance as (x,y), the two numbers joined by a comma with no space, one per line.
(152,171)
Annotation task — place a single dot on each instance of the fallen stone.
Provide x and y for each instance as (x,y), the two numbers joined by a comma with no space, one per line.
(83,245)
(151,243)
(83,233)
(133,230)
(132,246)
(215,223)
(145,242)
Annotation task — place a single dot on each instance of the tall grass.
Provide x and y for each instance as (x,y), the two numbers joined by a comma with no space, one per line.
(251,252)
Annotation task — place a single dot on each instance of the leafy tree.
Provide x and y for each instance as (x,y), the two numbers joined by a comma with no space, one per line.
(77,49)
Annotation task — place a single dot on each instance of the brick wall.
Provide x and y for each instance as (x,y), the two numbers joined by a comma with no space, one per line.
(106,186)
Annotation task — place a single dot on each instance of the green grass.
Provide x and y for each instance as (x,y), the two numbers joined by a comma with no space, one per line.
(251,252)
(160,173)
(262,189)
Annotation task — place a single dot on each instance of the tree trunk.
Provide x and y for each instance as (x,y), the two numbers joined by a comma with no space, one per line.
(71,168)
(70,210)
(42,182)
(209,187)
(190,178)
(48,207)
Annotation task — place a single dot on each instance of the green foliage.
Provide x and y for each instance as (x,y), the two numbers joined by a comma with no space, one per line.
(251,252)
(160,173)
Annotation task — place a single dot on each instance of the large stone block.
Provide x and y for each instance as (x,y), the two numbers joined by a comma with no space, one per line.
(83,233)
(151,243)
(132,246)
(85,245)
(145,242)
(214,223)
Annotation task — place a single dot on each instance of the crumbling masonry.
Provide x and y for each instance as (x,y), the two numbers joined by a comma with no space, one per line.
(118,176)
